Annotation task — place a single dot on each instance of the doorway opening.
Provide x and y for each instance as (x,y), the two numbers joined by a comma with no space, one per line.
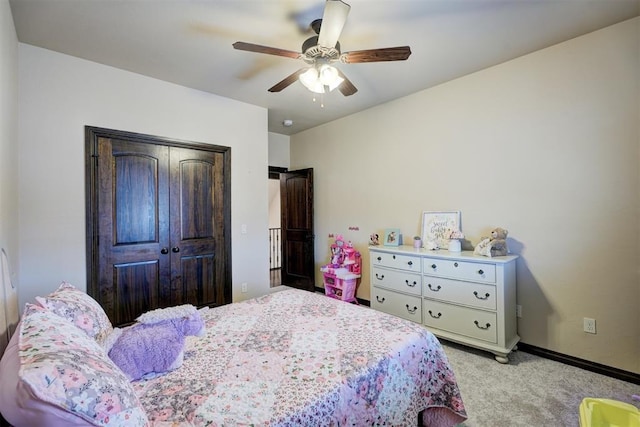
(275,227)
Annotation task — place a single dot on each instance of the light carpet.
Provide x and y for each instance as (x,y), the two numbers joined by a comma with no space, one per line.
(529,391)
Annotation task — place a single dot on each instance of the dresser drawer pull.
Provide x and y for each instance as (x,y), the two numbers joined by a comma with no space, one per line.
(455,264)
(436,316)
(410,263)
(482,327)
(394,257)
(379,258)
(433,266)
(380,300)
(434,289)
(411,285)
(411,311)
(480,272)
(379,276)
(485,295)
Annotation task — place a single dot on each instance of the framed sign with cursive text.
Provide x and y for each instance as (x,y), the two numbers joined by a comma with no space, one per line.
(436,227)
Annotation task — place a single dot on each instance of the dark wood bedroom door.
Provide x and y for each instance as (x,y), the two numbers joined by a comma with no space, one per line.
(158,224)
(296,205)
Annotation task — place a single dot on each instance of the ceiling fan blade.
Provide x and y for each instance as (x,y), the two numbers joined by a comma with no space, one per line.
(250,47)
(399,53)
(346,87)
(333,20)
(287,81)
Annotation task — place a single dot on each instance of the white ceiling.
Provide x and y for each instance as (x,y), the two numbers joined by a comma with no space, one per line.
(188,42)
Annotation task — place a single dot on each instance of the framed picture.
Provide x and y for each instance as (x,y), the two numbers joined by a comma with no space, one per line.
(435,226)
(391,237)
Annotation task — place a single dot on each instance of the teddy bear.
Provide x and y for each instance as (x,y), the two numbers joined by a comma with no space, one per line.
(495,245)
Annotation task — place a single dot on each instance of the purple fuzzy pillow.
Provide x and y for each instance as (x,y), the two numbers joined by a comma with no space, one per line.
(154,345)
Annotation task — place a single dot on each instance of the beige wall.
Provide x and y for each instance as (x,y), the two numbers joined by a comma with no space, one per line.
(8,151)
(59,95)
(278,150)
(545,146)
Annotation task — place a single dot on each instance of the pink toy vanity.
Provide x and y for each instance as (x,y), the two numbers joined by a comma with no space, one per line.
(342,274)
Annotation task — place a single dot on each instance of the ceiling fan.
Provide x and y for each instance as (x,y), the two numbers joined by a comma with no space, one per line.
(322,50)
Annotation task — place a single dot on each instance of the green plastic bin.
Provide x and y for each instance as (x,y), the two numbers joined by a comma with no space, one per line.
(608,413)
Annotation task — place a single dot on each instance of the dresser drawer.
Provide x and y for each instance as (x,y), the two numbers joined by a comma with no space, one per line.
(465,321)
(397,280)
(474,271)
(402,262)
(478,295)
(405,306)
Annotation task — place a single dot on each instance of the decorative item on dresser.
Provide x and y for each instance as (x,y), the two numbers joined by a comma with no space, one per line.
(460,297)
(436,227)
(392,237)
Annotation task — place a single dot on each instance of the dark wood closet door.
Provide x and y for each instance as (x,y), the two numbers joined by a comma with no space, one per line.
(134,261)
(197,228)
(158,223)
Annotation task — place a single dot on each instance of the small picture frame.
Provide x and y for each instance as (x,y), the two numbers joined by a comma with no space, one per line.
(391,237)
(435,226)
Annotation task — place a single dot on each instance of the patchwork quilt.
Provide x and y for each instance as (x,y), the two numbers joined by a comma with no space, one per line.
(295,358)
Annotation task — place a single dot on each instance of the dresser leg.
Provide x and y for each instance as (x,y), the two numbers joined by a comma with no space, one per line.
(502,358)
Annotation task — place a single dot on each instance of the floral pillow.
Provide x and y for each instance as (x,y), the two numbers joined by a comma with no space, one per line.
(80,309)
(62,366)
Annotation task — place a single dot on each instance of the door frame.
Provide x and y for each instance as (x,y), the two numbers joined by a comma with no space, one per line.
(275,171)
(92,134)
(274,174)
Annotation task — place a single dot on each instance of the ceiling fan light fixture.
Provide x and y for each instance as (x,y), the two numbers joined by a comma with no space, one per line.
(319,79)
(329,77)
(318,52)
(311,81)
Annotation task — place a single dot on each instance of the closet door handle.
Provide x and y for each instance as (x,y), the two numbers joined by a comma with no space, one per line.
(164,251)
(175,249)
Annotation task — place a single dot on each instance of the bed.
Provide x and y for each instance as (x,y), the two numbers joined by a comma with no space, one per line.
(290,358)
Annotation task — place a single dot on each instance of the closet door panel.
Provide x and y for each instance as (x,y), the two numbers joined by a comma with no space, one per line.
(197,227)
(198,279)
(136,289)
(133,239)
(135,199)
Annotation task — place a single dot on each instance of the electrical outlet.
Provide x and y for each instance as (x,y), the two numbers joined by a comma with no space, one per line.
(244,287)
(589,325)
(518,311)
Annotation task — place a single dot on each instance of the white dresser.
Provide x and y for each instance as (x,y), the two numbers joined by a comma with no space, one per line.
(460,297)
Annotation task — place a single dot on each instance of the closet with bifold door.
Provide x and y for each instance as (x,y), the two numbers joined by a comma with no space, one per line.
(158,223)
